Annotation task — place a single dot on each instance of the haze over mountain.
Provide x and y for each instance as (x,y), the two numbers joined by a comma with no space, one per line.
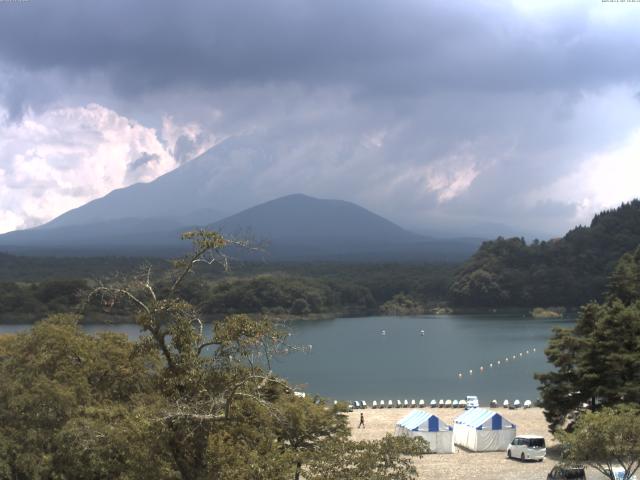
(294,227)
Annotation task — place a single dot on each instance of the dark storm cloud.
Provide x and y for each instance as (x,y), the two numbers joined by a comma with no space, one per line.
(383,47)
(425,111)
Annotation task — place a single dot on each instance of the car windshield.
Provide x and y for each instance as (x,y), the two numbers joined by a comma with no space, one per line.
(573,473)
(536,442)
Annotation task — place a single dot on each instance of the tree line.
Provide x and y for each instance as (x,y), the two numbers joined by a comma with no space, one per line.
(569,271)
(340,289)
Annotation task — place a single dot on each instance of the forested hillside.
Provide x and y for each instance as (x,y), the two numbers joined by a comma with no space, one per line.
(33,287)
(569,271)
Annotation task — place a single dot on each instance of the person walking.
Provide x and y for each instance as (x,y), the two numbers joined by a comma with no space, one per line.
(361,424)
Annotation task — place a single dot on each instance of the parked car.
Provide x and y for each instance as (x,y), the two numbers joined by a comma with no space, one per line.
(618,474)
(567,473)
(472,402)
(527,447)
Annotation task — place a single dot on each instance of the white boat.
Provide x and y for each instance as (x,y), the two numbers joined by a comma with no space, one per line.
(356,404)
(505,404)
(462,404)
(381,403)
(413,404)
(421,403)
(422,332)
(364,404)
(527,404)
(493,404)
(383,332)
(448,403)
(406,403)
(455,404)
(516,403)
(374,404)
(390,404)
(441,403)
(398,404)
(433,403)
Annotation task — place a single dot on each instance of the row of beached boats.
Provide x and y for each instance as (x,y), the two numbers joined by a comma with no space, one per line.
(360,404)
(515,405)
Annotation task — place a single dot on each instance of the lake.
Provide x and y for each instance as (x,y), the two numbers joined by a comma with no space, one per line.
(351,360)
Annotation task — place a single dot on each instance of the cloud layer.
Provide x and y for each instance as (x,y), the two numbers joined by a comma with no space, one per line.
(440,115)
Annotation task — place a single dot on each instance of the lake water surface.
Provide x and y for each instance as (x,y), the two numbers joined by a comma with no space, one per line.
(351,360)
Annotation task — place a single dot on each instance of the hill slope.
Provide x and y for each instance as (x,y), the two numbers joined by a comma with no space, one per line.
(569,271)
(294,227)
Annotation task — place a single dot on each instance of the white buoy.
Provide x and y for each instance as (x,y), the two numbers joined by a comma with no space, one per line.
(491,365)
(514,357)
(459,375)
(520,353)
(470,372)
(481,368)
(498,362)
(506,360)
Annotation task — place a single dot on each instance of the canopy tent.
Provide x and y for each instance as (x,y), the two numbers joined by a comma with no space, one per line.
(482,430)
(426,425)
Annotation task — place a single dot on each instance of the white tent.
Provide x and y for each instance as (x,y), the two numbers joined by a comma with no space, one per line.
(426,425)
(482,430)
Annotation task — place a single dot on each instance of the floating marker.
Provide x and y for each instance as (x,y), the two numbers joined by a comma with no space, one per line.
(520,353)
(470,372)
(498,362)
(459,375)
(514,357)
(506,359)
(491,365)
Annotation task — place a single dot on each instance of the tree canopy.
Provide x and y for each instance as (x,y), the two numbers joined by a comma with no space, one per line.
(178,403)
(569,271)
(598,361)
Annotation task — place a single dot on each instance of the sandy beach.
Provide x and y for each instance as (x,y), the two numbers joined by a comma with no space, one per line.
(465,465)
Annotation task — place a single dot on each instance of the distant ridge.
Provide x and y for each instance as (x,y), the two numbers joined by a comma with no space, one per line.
(295,227)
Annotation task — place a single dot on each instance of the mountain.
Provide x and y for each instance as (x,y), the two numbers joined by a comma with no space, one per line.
(146,219)
(569,271)
(294,227)
(298,227)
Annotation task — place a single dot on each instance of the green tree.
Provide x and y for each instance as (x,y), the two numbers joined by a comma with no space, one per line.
(604,439)
(598,361)
(388,458)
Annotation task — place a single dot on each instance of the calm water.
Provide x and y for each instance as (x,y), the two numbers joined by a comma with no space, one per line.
(350,359)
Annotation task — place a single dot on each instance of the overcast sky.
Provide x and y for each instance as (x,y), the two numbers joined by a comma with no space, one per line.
(435,114)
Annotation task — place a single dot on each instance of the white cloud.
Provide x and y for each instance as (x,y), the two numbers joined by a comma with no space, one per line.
(602,181)
(60,159)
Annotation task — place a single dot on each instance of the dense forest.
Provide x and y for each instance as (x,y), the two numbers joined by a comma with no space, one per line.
(279,289)
(569,271)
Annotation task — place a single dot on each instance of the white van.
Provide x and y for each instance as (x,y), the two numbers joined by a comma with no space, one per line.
(527,447)
(472,402)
